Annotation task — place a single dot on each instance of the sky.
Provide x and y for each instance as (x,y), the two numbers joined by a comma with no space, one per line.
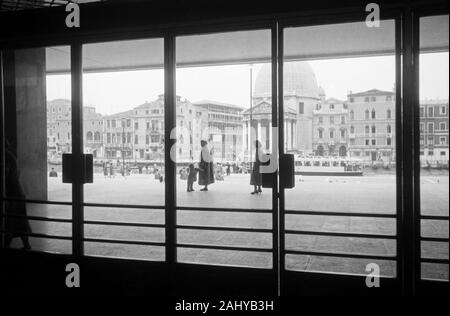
(112,92)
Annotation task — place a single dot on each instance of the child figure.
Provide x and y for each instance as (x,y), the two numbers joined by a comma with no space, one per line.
(192,177)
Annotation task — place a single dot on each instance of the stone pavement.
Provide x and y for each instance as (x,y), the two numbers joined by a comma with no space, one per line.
(370,193)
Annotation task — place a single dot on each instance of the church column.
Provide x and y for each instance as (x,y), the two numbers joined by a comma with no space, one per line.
(289,134)
(249,133)
(244,135)
(270,136)
(285,135)
(292,134)
(258,135)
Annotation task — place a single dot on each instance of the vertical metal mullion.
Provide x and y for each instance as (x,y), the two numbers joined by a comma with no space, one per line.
(2,156)
(399,151)
(274,149)
(416,149)
(170,167)
(76,53)
(408,102)
(281,195)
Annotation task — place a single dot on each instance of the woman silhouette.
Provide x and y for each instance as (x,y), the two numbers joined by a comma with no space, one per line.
(256,176)
(17,224)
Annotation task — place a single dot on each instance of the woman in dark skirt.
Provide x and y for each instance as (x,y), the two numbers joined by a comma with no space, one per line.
(206,167)
(256,176)
(16,211)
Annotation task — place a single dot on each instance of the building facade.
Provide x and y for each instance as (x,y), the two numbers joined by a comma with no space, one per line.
(224,128)
(59,127)
(434,132)
(372,125)
(139,133)
(330,124)
(301,96)
(361,127)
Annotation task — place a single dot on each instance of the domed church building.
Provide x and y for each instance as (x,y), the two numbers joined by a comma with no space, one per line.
(302,96)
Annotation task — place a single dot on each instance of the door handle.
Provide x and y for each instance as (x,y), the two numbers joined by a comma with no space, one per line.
(287,171)
(87,172)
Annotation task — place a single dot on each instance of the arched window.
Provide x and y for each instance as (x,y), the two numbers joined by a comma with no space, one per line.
(388,114)
(374,129)
(367,129)
(367,114)
(352,115)
(97,136)
(373,114)
(89,136)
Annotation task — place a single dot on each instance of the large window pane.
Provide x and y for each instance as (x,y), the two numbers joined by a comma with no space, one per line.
(434,154)
(223,108)
(339,124)
(123,121)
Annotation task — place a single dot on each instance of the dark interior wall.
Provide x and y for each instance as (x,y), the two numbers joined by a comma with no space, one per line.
(31,124)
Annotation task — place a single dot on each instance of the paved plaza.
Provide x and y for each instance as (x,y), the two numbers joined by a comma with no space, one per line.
(371,193)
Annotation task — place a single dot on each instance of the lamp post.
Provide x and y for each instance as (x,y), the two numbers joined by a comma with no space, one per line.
(251,114)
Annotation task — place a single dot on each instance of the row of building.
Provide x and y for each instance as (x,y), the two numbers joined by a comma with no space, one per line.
(362,126)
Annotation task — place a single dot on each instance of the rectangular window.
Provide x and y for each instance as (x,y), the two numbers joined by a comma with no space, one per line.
(301,108)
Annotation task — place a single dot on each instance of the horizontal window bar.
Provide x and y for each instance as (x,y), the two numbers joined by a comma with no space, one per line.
(337,234)
(125,206)
(434,217)
(340,255)
(39,218)
(125,242)
(231,229)
(439,239)
(216,209)
(319,213)
(434,260)
(130,224)
(36,235)
(232,248)
(36,201)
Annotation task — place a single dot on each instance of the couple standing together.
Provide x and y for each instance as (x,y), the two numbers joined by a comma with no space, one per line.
(206,170)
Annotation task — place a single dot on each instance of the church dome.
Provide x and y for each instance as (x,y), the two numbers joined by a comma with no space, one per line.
(299,80)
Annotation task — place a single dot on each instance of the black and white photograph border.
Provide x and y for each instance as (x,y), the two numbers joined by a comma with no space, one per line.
(227,149)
